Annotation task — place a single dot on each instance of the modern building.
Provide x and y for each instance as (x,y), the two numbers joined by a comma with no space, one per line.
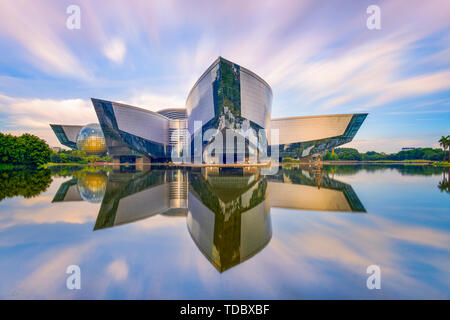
(228,216)
(67,134)
(88,138)
(226,119)
(89,186)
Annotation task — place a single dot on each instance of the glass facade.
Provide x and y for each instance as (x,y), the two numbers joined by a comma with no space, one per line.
(256,99)
(120,143)
(66,134)
(321,146)
(200,101)
(178,130)
(114,143)
(231,109)
(227,89)
(91,140)
(230,100)
(355,124)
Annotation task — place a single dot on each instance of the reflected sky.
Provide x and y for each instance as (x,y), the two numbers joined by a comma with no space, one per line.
(304,233)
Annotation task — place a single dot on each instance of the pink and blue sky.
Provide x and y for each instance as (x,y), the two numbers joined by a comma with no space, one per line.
(318,57)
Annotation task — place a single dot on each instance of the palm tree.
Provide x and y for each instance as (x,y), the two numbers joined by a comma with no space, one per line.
(444,185)
(444,142)
(448,146)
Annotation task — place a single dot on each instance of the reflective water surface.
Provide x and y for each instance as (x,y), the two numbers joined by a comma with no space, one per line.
(205,233)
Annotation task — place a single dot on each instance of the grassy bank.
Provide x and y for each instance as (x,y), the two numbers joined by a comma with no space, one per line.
(8,166)
(441,164)
(350,162)
(54,164)
(414,162)
(77,164)
(290,162)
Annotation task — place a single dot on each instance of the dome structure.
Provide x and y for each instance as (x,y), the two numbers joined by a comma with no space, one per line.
(92,186)
(91,140)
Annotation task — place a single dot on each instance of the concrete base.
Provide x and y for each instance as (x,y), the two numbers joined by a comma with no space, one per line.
(143,163)
(116,163)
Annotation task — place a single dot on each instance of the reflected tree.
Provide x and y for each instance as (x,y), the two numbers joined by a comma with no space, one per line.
(444,185)
(403,169)
(24,182)
(76,171)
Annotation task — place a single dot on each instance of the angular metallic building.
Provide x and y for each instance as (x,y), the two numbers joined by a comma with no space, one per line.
(67,134)
(88,138)
(132,132)
(228,215)
(226,119)
(305,136)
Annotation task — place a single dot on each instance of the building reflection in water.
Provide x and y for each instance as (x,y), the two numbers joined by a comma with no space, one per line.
(227,211)
(228,216)
(88,186)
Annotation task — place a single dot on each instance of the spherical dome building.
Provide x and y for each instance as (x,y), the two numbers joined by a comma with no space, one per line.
(92,186)
(91,140)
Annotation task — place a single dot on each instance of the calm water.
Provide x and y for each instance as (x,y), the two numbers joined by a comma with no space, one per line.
(300,234)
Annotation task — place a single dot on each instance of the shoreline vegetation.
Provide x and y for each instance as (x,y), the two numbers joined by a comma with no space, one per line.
(29,151)
(383,162)
(76,157)
(422,156)
(284,163)
(342,156)
(29,182)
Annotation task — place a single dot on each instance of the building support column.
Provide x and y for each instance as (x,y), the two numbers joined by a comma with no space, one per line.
(143,163)
(116,163)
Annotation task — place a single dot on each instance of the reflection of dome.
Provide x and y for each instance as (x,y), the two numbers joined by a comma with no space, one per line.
(91,139)
(92,186)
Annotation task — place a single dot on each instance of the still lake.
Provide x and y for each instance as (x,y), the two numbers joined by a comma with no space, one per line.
(301,233)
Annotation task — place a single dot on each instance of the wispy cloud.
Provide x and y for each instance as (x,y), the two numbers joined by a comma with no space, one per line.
(35,115)
(115,50)
(38,113)
(318,57)
(37,28)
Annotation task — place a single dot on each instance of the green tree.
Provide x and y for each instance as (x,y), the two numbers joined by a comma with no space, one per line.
(350,155)
(332,156)
(448,146)
(444,142)
(37,151)
(24,150)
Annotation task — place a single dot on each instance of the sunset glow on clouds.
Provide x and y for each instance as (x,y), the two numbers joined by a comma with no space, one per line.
(318,56)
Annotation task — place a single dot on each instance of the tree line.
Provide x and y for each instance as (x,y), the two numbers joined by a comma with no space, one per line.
(77,156)
(415,154)
(26,149)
